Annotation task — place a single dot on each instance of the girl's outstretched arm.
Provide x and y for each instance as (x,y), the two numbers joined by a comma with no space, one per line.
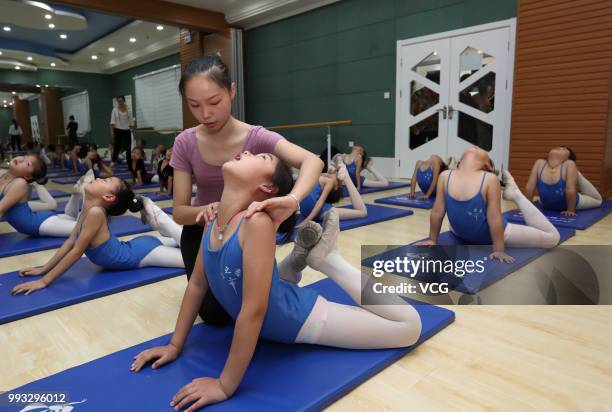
(494,218)
(436,174)
(94,221)
(571,187)
(533,178)
(413,181)
(192,300)
(438,211)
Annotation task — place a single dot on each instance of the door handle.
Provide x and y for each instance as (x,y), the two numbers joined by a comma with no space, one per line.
(443,109)
(450,112)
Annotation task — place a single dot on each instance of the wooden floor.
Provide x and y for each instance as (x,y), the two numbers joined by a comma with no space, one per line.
(502,358)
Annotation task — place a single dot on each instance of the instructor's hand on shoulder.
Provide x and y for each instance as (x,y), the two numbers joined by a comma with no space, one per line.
(207,214)
(160,354)
(278,208)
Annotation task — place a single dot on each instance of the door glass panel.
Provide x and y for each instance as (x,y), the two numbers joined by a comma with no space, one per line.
(475,131)
(429,67)
(424,131)
(471,60)
(481,94)
(421,98)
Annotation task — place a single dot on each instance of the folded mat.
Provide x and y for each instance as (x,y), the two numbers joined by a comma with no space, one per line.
(54,193)
(583,219)
(404,200)
(469,283)
(365,190)
(14,243)
(279,378)
(83,281)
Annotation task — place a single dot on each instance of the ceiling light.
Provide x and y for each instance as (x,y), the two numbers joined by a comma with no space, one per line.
(11,103)
(48,16)
(29,58)
(51,25)
(6,28)
(13,93)
(5,105)
(46,85)
(0,53)
(38,85)
(94,57)
(160,27)
(132,39)
(63,36)
(111,49)
(17,68)
(52,65)
(4,101)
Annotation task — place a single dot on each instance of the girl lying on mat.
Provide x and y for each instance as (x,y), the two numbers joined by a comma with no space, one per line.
(426,173)
(560,185)
(92,236)
(470,196)
(35,218)
(355,162)
(236,261)
(327,191)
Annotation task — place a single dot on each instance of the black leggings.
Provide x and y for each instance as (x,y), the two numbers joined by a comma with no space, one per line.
(122,141)
(16,142)
(211,311)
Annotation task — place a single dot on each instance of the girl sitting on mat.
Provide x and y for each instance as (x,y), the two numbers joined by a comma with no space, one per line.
(137,167)
(92,236)
(470,196)
(426,173)
(329,190)
(35,218)
(560,185)
(94,162)
(355,162)
(236,261)
(165,172)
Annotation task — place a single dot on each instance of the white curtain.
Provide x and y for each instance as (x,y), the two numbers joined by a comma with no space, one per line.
(158,102)
(78,106)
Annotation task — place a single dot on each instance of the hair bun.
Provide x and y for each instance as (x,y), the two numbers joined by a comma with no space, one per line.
(42,181)
(136,205)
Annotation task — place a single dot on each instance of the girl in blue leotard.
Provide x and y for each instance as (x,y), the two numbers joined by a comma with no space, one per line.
(426,173)
(560,185)
(357,161)
(470,196)
(91,235)
(236,261)
(34,218)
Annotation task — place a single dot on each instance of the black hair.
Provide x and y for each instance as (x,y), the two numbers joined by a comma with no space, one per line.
(443,167)
(39,175)
(71,117)
(144,142)
(126,200)
(51,147)
(334,151)
(120,97)
(163,151)
(572,154)
(15,122)
(365,159)
(334,196)
(210,65)
(283,180)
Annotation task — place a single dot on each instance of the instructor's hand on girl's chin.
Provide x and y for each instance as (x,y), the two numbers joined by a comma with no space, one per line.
(278,208)
(501,256)
(28,287)
(199,393)
(31,271)
(161,355)
(207,214)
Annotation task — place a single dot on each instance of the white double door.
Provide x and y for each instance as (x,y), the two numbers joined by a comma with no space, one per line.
(453,94)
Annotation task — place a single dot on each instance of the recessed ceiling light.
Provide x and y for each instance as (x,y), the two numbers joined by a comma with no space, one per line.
(52,65)
(6,28)
(46,85)
(11,103)
(5,105)
(13,93)
(17,68)
(111,49)
(29,58)
(63,36)
(160,27)
(94,57)
(51,25)
(48,16)
(4,101)
(132,39)
(38,85)
(0,53)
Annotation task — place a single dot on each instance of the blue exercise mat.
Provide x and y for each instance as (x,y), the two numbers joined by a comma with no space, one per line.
(73,179)
(404,200)
(582,220)
(54,193)
(84,281)
(474,282)
(365,190)
(280,377)
(14,243)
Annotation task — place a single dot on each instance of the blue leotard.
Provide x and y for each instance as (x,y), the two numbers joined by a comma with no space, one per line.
(351,168)
(425,178)
(116,254)
(552,196)
(468,218)
(24,219)
(288,307)
(308,203)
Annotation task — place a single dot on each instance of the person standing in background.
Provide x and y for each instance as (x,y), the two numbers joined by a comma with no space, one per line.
(15,132)
(72,131)
(122,124)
